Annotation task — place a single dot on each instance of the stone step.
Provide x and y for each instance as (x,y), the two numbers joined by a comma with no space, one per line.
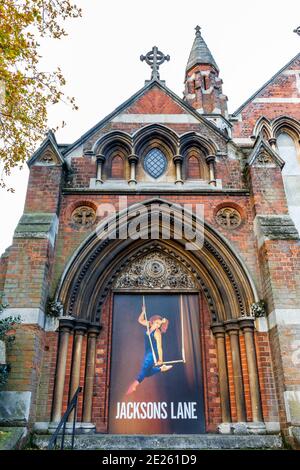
(164,442)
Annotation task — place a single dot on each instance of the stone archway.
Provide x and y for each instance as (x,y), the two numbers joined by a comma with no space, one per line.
(218,272)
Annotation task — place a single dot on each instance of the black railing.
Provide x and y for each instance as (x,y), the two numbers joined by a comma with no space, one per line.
(63,422)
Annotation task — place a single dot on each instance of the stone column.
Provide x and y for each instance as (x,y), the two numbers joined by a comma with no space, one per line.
(133,159)
(100,162)
(79,331)
(210,160)
(93,332)
(233,330)
(66,325)
(247,326)
(219,333)
(178,159)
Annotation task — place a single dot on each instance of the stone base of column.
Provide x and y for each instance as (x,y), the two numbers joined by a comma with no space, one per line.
(80,428)
(224,428)
(132,183)
(256,427)
(242,428)
(179,182)
(239,428)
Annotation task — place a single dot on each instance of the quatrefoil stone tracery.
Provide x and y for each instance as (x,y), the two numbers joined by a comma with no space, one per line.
(228,217)
(84,216)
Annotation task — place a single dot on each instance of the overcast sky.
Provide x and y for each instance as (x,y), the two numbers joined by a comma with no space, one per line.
(250,42)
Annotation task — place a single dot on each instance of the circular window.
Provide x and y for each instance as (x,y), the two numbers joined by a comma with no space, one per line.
(155,163)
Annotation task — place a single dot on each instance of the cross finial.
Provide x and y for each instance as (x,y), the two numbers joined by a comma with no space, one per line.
(297,30)
(155,58)
(198,30)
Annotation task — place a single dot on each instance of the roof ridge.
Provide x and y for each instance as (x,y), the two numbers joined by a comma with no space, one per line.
(264,85)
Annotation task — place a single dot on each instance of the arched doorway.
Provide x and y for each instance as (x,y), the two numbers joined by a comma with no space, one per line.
(211,268)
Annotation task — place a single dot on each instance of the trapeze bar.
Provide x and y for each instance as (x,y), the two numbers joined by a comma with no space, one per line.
(170,362)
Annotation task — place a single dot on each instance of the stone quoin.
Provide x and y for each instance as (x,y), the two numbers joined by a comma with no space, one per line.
(64,269)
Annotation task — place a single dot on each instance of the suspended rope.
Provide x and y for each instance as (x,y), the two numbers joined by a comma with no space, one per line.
(148,331)
(182,336)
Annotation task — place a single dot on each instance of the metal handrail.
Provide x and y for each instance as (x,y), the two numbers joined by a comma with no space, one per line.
(62,424)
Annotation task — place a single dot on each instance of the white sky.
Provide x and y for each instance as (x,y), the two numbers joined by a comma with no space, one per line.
(250,42)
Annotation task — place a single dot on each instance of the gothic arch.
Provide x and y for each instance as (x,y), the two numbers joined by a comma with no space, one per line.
(112,139)
(288,124)
(208,146)
(155,131)
(220,273)
(263,127)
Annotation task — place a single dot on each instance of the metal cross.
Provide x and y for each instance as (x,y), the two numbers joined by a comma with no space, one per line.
(155,58)
(198,30)
(297,30)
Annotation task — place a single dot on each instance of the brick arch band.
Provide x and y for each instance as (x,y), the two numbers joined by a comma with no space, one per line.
(212,265)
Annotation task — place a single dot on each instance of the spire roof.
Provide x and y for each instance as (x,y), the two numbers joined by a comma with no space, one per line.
(200,54)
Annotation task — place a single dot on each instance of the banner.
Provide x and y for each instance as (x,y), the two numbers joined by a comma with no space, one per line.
(156,378)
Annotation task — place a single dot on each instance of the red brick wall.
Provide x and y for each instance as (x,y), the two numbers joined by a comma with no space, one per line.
(284,86)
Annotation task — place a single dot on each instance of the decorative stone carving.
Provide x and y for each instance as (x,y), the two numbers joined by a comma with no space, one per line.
(264,158)
(258,309)
(155,271)
(229,218)
(55,308)
(84,216)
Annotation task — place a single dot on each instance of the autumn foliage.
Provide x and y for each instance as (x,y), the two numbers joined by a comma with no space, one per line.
(25,90)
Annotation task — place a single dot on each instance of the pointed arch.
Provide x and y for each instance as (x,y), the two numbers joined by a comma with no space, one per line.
(208,146)
(112,139)
(263,127)
(155,131)
(221,274)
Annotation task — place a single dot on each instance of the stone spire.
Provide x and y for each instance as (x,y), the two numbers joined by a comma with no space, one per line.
(203,86)
(200,54)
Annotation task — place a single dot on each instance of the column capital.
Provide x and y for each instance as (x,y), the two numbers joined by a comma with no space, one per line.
(100,158)
(246,323)
(232,326)
(218,329)
(81,326)
(94,329)
(272,141)
(66,323)
(88,153)
(132,158)
(177,158)
(210,159)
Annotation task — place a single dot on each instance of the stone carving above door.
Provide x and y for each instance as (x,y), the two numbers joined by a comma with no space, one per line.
(155,270)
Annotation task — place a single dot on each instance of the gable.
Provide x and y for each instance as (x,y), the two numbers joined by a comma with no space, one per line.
(155,101)
(279,96)
(153,104)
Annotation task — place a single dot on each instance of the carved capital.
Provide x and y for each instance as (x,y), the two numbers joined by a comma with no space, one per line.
(210,159)
(218,330)
(66,323)
(133,158)
(232,327)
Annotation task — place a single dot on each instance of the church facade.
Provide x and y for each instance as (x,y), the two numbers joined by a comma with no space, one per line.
(157,265)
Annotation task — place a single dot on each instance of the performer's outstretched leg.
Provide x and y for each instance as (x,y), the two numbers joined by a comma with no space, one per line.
(148,369)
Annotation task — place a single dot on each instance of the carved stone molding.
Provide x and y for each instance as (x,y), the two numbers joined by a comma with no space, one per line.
(155,270)
(83,216)
(229,218)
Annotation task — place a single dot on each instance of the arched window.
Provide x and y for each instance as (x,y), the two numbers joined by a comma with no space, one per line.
(196,167)
(155,162)
(288,149)
(193,167)
(117,167)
